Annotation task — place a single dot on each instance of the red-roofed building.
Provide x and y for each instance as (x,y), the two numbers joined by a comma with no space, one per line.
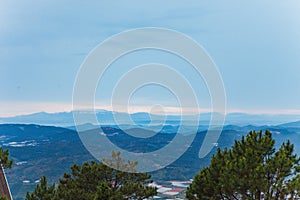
(177,189)
(4,187)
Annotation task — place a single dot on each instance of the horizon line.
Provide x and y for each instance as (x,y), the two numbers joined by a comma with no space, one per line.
(233,111)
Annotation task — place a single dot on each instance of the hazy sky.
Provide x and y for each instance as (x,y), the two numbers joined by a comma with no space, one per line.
(255,45)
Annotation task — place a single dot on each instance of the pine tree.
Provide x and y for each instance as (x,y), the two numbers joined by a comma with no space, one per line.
(5,161)
(42,191)
(98,181)
(251,169)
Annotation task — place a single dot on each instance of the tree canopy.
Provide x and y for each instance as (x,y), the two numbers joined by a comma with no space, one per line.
(42,191)
(95,181)
(5,161)
(251,169)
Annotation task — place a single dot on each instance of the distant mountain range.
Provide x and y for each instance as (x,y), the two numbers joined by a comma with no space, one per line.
(48,150)
(65,119)
(295,124)
(37,151)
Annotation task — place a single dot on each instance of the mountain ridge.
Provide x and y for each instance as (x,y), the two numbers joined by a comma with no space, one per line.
(65,119)
(47,150)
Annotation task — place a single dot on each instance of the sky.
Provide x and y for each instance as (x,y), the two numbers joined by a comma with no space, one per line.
(254,44)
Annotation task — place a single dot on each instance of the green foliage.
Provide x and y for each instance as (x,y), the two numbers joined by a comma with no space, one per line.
(95,181)
(42,191)
(251,169)
(4,158)
(3,197)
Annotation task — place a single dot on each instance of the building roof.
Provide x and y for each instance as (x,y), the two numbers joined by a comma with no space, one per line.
(4,187)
